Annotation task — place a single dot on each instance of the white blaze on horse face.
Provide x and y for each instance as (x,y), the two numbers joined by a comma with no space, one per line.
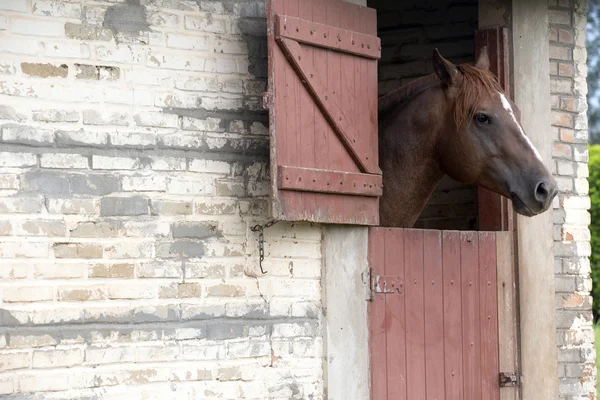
(508,107)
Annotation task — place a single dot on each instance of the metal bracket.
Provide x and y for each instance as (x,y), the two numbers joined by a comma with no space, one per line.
(267,100)
(261,241)
(509,379)
(387,284)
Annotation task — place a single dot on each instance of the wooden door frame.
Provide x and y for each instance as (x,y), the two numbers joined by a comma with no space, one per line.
(534,327)
(531,304)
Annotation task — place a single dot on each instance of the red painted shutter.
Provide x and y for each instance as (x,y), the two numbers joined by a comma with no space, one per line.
(495,211)
(322,101)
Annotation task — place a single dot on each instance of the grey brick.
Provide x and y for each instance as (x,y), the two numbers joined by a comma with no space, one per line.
(124,206)
(47,182)
(194,230)
(93,117)
(202,312)
(9,113)
(81,138)
(93,229)
(170,207)
(180,248)
(226,330)
(21,205)
(160,313)
(95,185)
(87,32)
(13,317)
(50,115)
(71,206)
(26,135)
(108,315)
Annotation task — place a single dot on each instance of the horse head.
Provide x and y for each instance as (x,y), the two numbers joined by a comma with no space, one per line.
(483,140)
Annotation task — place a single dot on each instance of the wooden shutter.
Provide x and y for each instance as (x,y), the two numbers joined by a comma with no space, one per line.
(495,211)
(322,101)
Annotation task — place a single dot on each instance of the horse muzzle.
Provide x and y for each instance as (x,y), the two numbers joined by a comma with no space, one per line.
(537,200)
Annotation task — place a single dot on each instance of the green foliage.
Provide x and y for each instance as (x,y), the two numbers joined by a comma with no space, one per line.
(594,179)
(593,64)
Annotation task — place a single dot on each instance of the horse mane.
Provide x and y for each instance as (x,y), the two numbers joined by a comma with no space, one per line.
(399,97)
(475,85)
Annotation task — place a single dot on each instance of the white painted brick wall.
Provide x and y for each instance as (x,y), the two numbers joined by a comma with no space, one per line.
(577,371)
(132,164)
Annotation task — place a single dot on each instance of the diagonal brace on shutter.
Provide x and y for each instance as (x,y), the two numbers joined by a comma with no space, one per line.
(328,105)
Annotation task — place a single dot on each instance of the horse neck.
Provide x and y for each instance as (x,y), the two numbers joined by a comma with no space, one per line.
(408,157)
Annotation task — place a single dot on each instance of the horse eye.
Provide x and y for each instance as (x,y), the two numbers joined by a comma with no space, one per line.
(482,118)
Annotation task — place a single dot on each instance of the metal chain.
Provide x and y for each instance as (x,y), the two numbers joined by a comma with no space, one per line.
(261,241)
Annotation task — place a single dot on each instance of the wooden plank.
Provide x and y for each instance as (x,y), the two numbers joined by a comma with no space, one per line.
(377,318)
(371,89)
(415,322)
(507,311)
(434,314)
(337,155)
(321,35)
(288,151)
(488,304)
(328,104)
(346,92)
(453,342)
(323,137)
(396,318)
(469,264)
(306,141)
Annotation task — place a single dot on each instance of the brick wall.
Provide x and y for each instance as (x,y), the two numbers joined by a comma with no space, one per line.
(409,31)
(133,155)
(571,235)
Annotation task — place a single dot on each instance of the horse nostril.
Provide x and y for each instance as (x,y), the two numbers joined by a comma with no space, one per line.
(542,192)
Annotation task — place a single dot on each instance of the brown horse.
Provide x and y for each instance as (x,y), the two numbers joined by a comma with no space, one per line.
(458,122)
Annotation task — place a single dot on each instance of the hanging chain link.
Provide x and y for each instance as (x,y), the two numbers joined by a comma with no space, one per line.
(261,241)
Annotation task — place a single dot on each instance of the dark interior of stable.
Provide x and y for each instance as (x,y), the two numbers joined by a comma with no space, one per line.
(409,31)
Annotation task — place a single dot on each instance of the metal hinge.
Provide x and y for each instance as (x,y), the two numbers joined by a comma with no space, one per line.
(386,284)
(267,100)
(509,379)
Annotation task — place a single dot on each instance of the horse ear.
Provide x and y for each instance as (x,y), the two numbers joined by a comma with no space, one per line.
(445,70)
(483,60)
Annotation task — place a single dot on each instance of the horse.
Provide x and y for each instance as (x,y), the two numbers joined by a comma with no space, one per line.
(457,122)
